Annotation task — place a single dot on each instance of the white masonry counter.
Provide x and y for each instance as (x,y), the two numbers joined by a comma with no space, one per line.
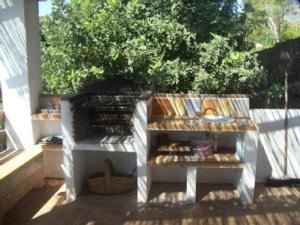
(167,114)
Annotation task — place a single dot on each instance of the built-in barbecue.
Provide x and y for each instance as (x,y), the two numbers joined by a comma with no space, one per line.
(159,131)
(105,109)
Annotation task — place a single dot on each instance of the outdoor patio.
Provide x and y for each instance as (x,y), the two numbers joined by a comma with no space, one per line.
(217,205)
(173,158)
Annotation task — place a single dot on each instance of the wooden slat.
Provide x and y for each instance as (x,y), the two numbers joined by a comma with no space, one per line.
(186,104)
(176,95)
(224,158)
(179,124)
(46,116)
(225,107)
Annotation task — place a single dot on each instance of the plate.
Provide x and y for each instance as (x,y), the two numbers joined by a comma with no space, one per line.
(192,122)
(217,119)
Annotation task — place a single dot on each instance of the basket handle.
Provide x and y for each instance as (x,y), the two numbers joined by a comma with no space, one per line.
(108,173)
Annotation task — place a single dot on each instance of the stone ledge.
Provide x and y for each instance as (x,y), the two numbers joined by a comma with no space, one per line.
(18,176)
(13,196)
(14,165)
(7,155)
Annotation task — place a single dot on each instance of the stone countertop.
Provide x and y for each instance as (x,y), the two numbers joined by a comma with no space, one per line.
(179,123)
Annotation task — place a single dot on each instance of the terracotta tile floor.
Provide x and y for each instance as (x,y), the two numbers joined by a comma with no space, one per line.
(217,204)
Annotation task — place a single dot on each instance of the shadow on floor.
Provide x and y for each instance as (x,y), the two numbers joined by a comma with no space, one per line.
(32,203)
(217,204)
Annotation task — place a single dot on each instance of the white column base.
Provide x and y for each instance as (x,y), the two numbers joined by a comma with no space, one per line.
(246,184)
(68,157)
(141,146)
(191,183)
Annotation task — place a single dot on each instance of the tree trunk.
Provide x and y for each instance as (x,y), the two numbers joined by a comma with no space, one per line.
(275,28)
(286,126)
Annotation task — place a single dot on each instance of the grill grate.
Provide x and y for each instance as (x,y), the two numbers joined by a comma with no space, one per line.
(113,114)
(106,108)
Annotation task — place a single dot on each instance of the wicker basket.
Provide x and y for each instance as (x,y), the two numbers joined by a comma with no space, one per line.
(108,183)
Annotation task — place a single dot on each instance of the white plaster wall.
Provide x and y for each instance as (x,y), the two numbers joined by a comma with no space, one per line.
(53,159)
(294,144)
(19,69)
(123,162)
(53,163)
(271,143)
(46,128)
(178,174)
(33,52)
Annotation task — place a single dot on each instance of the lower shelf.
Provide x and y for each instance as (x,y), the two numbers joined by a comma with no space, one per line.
(52,147)
(223,158)
(113,143)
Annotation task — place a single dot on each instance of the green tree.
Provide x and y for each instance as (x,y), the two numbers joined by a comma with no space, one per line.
(159,43)
(271,13)
(291,31)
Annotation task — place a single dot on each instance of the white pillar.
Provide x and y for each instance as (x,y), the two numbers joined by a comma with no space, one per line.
(20,69)
(191,184)
(141,147)
(68,144)
(246,184)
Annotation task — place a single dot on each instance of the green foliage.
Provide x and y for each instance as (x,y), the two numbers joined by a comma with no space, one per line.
(275,96)
(272,97)
(291,31)
(154,42)
(221,69)
(173,46)
(265,21)
(261,38)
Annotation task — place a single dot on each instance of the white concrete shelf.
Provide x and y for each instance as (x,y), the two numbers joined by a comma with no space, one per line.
(223,158)
(50,147)
(106,143)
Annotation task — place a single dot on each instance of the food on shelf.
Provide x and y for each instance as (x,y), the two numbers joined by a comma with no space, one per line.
(202,147)
(51,139)
(164,145)
(175,147)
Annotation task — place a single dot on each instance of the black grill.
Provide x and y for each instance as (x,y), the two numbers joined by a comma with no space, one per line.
(106,108)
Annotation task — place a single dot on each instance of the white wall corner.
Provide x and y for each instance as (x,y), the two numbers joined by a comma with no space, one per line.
(20,69)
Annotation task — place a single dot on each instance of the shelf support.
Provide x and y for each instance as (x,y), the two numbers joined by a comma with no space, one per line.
(246,184)
(142,149)
(191,183)
(72,190)
(239,146)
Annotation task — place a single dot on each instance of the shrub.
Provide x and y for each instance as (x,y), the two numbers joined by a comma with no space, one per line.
(221,69)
